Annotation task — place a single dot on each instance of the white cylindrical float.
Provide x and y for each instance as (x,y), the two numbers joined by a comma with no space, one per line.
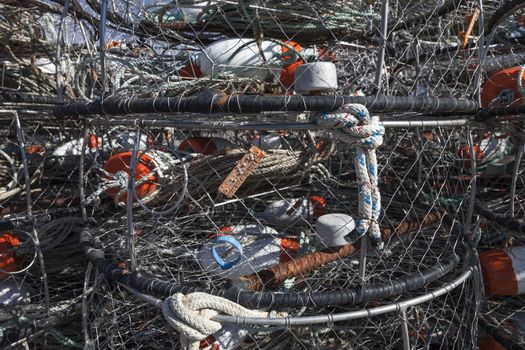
(503,271)
(315,77)
(333,228)
(258,247)
(299,211)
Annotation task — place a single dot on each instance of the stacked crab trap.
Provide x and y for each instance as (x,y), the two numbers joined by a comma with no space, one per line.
(262,174)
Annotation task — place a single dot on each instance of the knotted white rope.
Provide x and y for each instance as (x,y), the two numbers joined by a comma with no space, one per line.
(353,124)
(191,315)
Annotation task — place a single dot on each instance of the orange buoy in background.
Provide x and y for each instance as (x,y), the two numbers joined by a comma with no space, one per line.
(503,271)
(9,262)
(502,88)
(155,169)
(204,145)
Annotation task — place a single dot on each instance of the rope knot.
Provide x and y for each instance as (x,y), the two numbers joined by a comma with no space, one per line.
(353,124)
(191,315)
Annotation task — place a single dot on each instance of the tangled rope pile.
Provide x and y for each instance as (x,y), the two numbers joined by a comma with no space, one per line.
(353,124)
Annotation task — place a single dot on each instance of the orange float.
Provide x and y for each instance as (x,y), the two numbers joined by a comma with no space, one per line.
(319,206)
(502,89)
(157,171)
(121,162)
(503,271)
(9,262)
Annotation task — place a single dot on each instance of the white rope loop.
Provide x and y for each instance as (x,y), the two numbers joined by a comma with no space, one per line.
(191,315)
(353,124)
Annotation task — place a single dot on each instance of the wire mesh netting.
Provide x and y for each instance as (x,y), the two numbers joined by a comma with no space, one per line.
(261,174)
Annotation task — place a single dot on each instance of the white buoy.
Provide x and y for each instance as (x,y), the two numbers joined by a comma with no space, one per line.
(332,228)
(315,76)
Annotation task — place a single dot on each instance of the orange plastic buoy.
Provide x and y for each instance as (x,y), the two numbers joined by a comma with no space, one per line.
(503,271)
(8,261)
(93,141)
(319,206)
(287,77)
(144,166)
(289,249)
(204,145)
(501,89)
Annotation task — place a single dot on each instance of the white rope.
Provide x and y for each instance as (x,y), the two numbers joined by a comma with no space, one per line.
(191,315)
(353,124)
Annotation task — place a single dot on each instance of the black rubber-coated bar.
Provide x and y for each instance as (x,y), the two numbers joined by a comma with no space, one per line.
(208,102)
(500,111)
(270,300)
(22,97)
(502,220)
(500,336)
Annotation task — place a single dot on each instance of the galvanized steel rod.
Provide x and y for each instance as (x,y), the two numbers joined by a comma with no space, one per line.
(382,44)
(246,126)
(404,329)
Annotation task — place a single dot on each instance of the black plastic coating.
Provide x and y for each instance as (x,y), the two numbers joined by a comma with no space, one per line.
(21,97)
(209,102)
(502,220)
(499,336)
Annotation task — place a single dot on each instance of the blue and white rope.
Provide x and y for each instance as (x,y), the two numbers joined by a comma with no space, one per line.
(353,124)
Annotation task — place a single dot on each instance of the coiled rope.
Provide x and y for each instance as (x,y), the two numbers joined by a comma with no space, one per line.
(353,124)
(191,315)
